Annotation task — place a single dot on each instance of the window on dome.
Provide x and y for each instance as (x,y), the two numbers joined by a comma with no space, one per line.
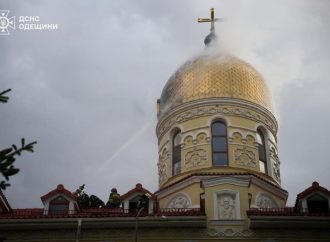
(176,149)
(59,205)
(219,144)
(262,152)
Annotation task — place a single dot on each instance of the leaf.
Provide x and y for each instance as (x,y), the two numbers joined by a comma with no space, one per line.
(14,147)
(6,151)
(3,185)
(4,92)
(4,99)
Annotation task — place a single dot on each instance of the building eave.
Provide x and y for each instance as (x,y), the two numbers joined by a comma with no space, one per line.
(65,223)
(288,222)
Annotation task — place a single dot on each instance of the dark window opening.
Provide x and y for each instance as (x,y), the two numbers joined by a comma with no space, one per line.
(59,205)
(176,156)
(138,202)
(317,204)
(262,152)
(219,144)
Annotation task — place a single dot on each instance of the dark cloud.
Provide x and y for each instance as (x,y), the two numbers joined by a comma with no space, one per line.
(87,92)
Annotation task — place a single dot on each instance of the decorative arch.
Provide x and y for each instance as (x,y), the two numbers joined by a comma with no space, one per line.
(263,200)
(180,200)
(237,137)
(219,143)
(201,137)
(188,140)
(218,117)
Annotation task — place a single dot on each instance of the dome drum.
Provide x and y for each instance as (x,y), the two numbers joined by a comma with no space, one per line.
(196,142)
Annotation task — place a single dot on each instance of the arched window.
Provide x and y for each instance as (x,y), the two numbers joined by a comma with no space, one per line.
(262,152)
(219,144)
(59,205)
(176,150)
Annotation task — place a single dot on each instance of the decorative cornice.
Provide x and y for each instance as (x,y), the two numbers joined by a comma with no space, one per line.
(270,188)
(177,187)
(224,106)
(242,181)
(207,174)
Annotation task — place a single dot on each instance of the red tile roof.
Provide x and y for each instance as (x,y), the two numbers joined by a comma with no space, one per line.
(138,188)
(59,190)
(38,213)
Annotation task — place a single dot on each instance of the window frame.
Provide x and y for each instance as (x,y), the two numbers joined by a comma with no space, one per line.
(219,136)
(262,150)
(54,202)
(176,152)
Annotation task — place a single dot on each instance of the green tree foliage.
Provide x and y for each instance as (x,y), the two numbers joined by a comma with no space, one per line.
(8,155)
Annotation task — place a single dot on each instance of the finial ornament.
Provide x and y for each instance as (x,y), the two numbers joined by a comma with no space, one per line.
(211,36)
(212,20)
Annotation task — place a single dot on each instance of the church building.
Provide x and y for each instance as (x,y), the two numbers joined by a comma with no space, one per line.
(218,167)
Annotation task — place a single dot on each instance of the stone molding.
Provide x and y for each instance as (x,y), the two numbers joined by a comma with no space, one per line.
(242,181)
(209,107)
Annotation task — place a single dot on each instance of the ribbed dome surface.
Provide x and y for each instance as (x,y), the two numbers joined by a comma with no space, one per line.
(212,76)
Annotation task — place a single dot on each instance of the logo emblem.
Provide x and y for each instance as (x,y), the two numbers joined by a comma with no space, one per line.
(6,22)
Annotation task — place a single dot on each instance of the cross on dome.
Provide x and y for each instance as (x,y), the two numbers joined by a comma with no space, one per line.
(212,19)
(211,37)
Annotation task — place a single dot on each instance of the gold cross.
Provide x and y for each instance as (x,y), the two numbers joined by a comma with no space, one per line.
(212,19)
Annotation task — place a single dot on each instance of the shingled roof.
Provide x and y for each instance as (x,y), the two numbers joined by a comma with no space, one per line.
(138,188)
(59,190)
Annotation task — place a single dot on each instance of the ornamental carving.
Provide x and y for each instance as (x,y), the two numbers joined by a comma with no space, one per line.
(201,138)
(162,168)
(179,201)
(245,157)
(226,206)
(264,201)
(275,164)
(237,137)
(250,140)
(216,109)
(196,157)
(226,232)
(188,140)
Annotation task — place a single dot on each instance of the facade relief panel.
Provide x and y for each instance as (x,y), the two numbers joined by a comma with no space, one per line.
(180,201)
(196,157)
(162,165)
(227,205)
(265,201)
(243,150)
(275,163)
(245,157)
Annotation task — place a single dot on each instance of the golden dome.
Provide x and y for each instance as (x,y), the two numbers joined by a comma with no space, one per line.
(213,76)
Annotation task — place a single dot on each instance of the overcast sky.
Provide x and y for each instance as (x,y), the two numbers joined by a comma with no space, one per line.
(87,92)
